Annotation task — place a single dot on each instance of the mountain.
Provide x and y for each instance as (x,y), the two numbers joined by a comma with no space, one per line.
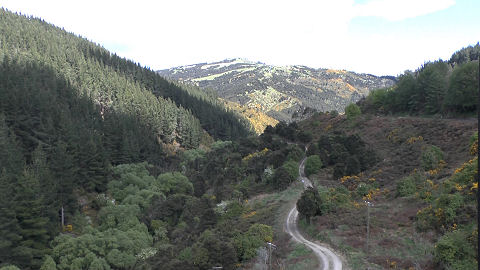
(282,93)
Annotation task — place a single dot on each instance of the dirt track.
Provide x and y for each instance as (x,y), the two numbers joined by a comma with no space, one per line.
(328,259)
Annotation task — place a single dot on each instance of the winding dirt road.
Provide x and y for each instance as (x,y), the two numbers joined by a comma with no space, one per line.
(328,259)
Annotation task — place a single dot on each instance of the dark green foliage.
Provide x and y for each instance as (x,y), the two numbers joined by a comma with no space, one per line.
(339,170)
(457,249)
(352,111)
(347,153)
(48,264)
(462,93)
(282,178)
(352,165)
(288,132)
(466,55)
(246,244)
(119,85)
(313,150)
(304,136)
(447,88)
(431,157)
(32,221)
(292,168)
(294,152)
(69,110)
(309,204)
(211,250)
(408,185)
(313,164)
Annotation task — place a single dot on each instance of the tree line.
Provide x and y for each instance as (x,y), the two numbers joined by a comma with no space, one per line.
(446,88)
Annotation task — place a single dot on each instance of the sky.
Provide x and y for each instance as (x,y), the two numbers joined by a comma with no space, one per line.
(381,37)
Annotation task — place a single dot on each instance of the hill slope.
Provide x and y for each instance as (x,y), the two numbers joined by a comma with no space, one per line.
(70,111)
(280,92)
(117,84)
(423,168)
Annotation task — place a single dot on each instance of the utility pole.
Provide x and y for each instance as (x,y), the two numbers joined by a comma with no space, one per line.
(63,219)
(368,204)
(270,254)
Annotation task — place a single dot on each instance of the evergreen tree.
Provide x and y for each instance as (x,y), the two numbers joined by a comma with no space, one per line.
(32,220)
(462,94)
(309,204)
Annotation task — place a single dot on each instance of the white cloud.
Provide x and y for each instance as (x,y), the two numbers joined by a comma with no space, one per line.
(162,34)
(397,10)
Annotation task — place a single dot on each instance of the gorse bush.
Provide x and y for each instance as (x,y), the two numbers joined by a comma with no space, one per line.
(431,157)
(457,249)
(247,243)
(408,185)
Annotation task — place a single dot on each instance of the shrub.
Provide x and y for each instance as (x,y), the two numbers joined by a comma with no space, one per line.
(474,144)
(352,111)
(309,204)
(282,179)
(246,244)
(305,136)
(406,187)
(292,168)
(353,165)
(313,165)
(338,171)
(431,157)
(312,150)
(294,152)
(457,249)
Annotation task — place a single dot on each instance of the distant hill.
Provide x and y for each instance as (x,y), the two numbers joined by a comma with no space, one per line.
(282,93)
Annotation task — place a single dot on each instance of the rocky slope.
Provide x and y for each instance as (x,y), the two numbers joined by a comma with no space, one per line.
(283,93)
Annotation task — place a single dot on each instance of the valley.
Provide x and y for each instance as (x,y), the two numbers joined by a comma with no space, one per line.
(105,164)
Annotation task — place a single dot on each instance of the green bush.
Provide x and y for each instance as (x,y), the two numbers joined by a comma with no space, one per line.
(309,204)
(362,189)
(431,157)
(352,111)
(281,178)
(313,165)
(294,152)
(406,187)
(457,249)
(292,168)
(246,244)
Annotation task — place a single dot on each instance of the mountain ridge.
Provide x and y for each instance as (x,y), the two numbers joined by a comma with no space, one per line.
(281,92)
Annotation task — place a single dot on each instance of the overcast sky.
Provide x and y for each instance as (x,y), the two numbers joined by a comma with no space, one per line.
(381,37)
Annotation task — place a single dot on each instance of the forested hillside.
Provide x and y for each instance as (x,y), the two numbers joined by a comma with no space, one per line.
(70,112)
(114,83)
(445,88)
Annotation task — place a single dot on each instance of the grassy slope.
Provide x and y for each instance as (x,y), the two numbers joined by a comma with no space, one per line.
(394,240)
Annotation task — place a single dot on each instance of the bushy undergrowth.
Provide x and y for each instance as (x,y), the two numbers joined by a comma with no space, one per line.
(431,157)
(313,165)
